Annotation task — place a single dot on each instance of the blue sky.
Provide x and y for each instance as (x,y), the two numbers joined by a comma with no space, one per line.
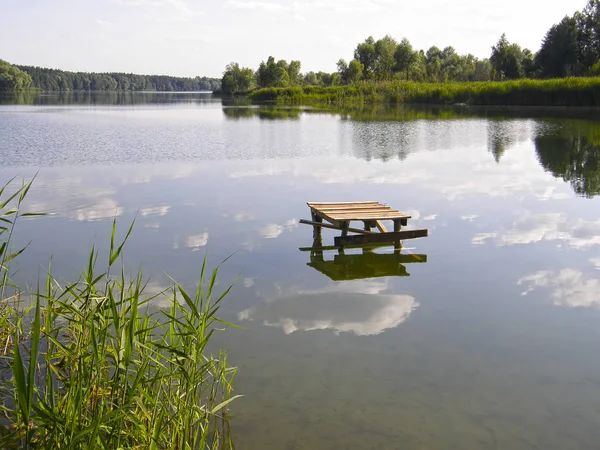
(199,37)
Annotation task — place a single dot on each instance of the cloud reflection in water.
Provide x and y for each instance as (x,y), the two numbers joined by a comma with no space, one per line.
(358,307)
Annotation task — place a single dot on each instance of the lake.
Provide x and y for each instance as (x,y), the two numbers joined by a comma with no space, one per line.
(487,337)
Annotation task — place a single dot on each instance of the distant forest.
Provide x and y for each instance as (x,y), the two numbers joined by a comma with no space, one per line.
(570,48)
(15,77)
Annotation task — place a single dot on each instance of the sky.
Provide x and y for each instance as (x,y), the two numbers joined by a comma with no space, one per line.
(199,37)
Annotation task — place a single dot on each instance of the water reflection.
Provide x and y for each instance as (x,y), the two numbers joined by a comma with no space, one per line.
(97,98)
(533,228)
(503,134)
(361,307)
(263,113)
(456,354)
(568,287)
(367,264)
(572,153)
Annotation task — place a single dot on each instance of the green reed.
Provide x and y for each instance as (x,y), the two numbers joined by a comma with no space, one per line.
(89,365)
(524,92)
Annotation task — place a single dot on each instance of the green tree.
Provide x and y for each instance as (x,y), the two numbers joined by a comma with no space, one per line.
(271,74)
(405,57)
(558,55)
(294,72)
(418,69)
(336,79)
(589,33)
(433,64)
(311,79)
(385,48)
(237,79)
(342,68)
(355,71)
(506,60)
(483,70)
(350,73)
(12,78)
(365,54)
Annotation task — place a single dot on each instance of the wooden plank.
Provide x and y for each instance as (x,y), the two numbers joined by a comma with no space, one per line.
(348,206)
(333,227)
(356,208)
(366,215)
(323,248)
(337,212)
(380,226)
(341,241)
(340,203)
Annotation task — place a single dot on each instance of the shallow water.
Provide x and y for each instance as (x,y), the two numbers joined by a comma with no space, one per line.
(488,338)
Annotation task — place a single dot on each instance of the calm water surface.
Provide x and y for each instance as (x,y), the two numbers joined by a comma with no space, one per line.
(489,338)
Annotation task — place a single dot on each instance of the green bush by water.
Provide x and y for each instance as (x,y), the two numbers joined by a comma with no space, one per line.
(88,365)
(583,92)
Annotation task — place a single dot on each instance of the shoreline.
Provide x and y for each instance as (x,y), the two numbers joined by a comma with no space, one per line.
(562,92)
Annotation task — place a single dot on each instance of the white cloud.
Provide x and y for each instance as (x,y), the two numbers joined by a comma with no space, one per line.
(155,211)
(360,307)
(197,241)
(248,282)
(162,10)
(152,225)
(568,287)
(469,217)
(243,217)
(264,6)
(430,217)
(102,22)
(596,262)
(273,230)
(480,238)
(576,233)
(415,214)
(103,209)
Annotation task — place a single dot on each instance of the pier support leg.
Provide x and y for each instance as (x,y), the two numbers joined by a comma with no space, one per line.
(397,227)
(316,229)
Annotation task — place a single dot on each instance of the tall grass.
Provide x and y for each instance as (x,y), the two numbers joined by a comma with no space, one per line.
(557,92)
(89,365)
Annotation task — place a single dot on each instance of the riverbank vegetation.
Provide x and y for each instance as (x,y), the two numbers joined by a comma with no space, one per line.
(393,71)
(12,78)
(556,92)
(89,365)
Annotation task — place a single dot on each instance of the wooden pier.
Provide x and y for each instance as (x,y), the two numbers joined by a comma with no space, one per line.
(338,216)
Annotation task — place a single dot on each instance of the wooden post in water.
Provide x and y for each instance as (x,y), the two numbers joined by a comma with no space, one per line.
(397,227)
(317,229)
(368,225)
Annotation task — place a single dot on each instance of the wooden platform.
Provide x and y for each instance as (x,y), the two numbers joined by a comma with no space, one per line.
(338,216)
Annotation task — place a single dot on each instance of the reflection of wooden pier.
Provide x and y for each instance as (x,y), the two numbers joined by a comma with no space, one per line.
(338,216)
(364,265)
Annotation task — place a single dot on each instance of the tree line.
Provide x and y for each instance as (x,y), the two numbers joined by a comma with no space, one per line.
(570,48)
(60,80)
(15,77)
